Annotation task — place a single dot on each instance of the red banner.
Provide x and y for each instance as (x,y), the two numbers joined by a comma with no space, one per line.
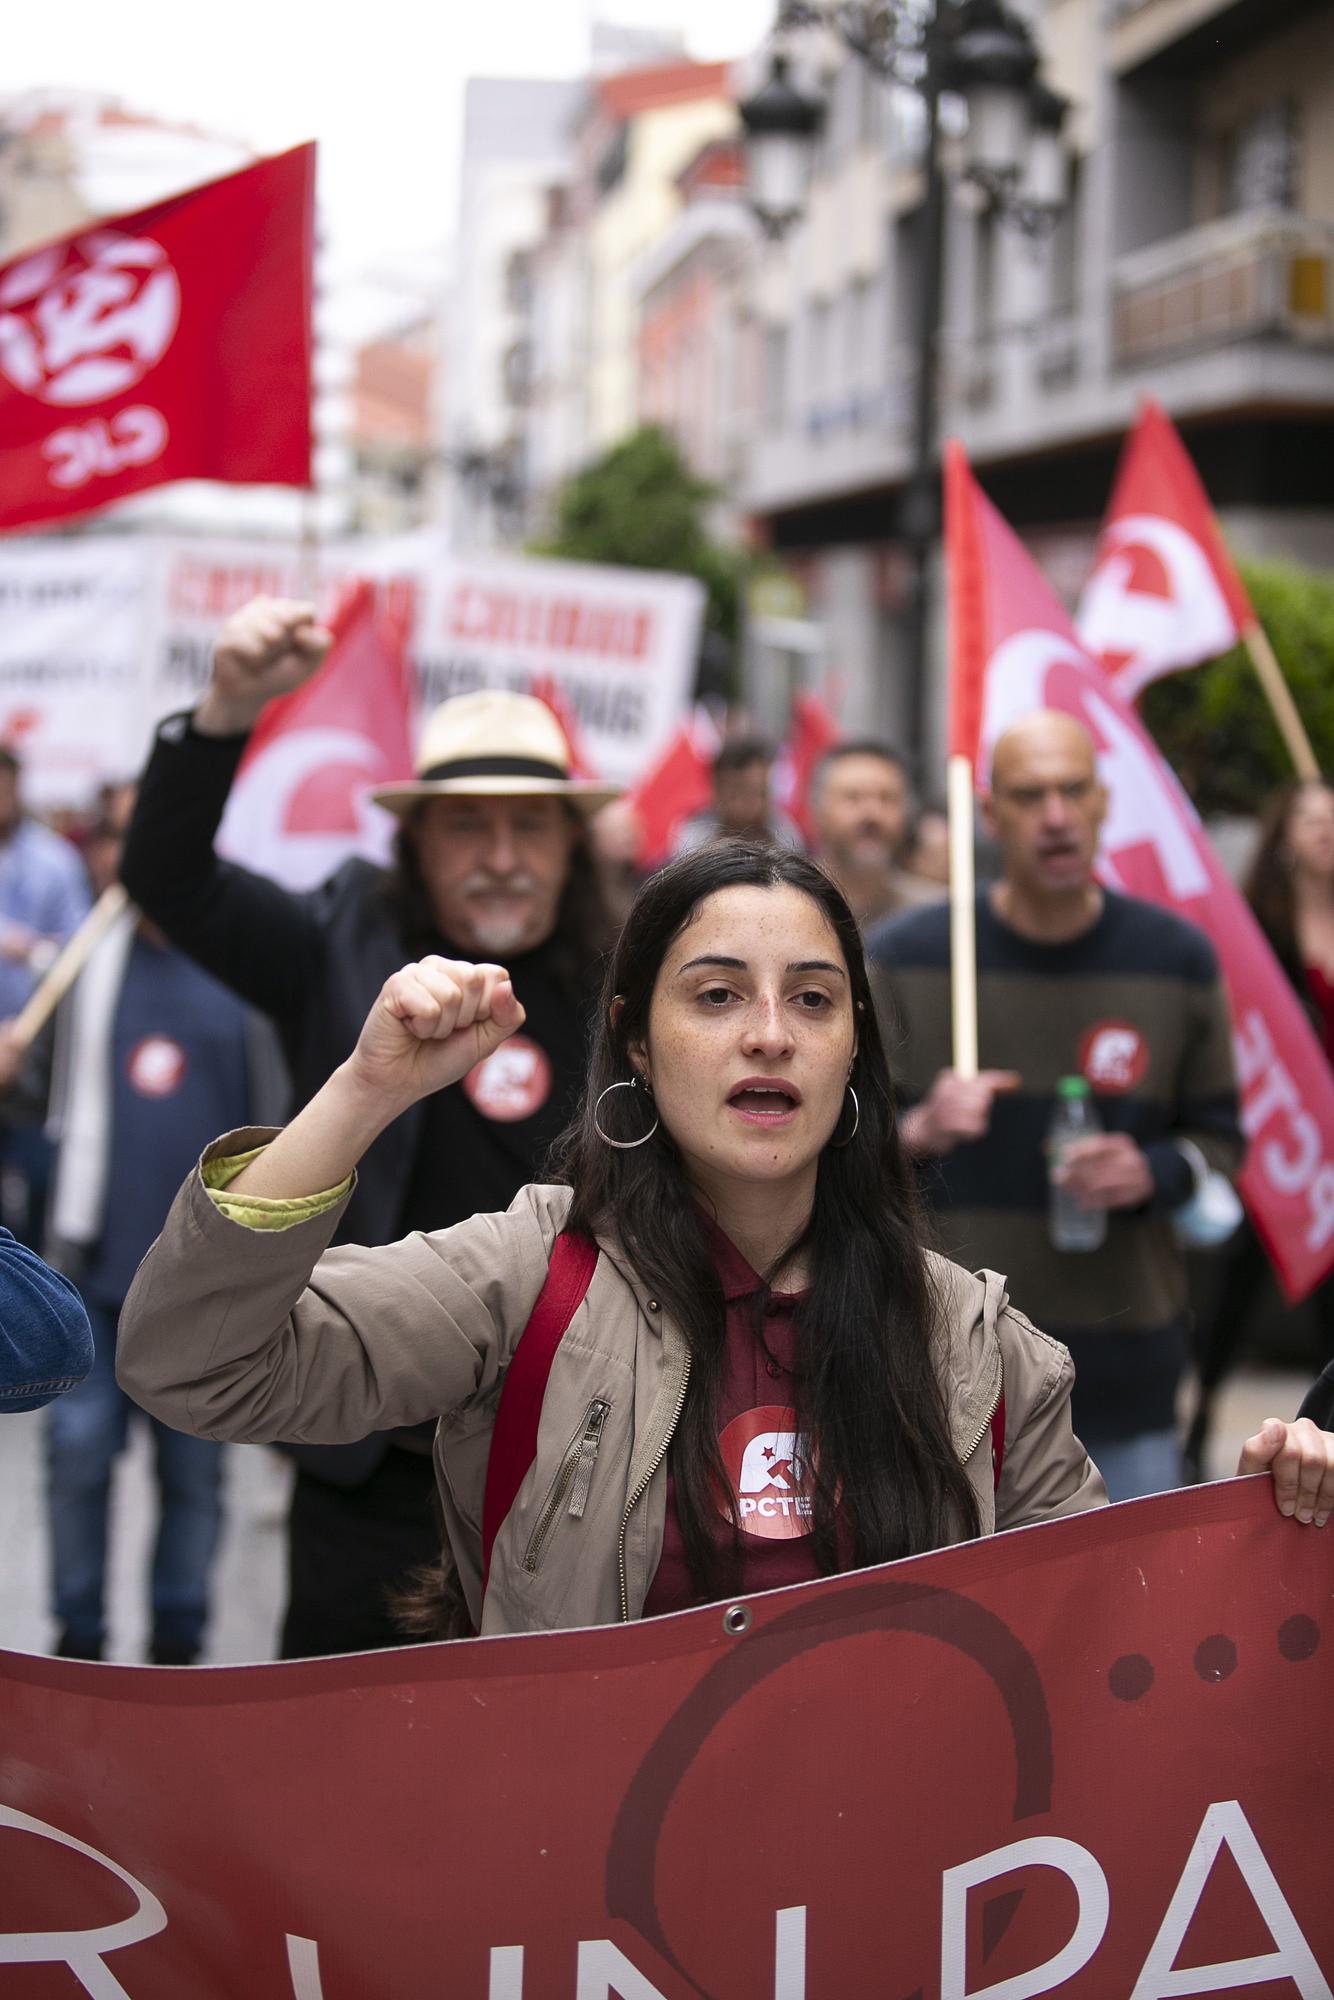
(173,343)
(1091,1758)
(1154,846)
(1164,592)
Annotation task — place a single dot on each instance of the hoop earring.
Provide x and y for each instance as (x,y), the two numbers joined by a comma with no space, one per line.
(856,1122)
(623,1145)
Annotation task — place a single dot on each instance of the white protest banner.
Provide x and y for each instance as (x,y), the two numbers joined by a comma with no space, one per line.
(74,619)
(104,635)
(619,645)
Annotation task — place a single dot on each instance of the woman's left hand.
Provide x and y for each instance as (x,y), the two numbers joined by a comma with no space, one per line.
(1301,1457)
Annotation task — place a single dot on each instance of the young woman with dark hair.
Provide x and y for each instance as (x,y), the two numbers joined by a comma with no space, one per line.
(768,1377)
(1290,887)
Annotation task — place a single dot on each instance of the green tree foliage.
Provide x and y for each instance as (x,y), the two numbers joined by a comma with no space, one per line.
(1213,723)
(640,504)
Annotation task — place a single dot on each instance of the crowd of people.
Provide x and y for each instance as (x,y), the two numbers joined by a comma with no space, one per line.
(721,1096)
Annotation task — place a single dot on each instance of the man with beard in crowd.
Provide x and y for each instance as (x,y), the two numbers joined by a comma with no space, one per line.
(861,806)
(492,863)
(743,806)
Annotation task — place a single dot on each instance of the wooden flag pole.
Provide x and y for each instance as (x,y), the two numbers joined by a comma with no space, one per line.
(308,548)
(61,974)
(963,916)
(1279,695)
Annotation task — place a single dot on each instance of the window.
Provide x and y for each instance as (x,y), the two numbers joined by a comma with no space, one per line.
(1262,160)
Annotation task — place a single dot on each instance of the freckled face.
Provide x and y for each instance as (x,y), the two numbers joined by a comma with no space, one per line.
(751,1037)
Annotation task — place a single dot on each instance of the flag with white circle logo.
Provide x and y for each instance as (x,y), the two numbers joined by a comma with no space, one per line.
(171,343)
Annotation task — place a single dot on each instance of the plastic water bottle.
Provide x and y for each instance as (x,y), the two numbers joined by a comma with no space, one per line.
(1072,1226)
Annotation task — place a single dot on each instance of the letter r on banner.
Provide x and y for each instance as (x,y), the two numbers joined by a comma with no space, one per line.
(1090,1884)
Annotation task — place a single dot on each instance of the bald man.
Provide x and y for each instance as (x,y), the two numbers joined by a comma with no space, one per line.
(1072,980)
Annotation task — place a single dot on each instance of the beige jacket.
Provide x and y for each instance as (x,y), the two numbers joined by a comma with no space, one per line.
(263,1336)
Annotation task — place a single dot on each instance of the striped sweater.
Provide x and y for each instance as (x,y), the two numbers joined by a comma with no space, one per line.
(1135,1004)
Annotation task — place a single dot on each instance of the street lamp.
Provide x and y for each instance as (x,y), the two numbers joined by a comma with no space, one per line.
(975,49)
(782,124)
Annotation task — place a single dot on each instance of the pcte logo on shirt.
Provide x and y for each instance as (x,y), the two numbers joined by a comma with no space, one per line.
(157,1066)
(513,1082)
(1114,1056)
(767,1462)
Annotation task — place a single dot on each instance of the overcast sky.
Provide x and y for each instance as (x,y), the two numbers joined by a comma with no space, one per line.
(380,86)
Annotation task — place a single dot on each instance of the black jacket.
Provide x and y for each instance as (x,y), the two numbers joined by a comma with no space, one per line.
(314,963)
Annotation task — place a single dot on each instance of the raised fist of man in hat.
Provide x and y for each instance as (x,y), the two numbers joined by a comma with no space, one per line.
(265,649)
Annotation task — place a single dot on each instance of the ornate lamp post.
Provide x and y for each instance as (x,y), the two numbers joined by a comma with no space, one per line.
(982,52)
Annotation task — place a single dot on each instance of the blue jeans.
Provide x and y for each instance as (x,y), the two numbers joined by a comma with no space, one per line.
(86,1430)
(1136,1466)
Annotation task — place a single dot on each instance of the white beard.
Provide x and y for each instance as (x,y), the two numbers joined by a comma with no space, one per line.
(497,933)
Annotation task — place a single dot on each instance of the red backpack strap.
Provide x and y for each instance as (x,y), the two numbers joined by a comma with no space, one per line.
(997,1442)
(514,1439)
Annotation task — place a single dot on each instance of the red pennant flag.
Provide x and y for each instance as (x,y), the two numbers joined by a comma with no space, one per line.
(1154,846)
(812,732)
(679,782)
(548,691)
(968,609)
(1165,592)
(172,343)
(300,804)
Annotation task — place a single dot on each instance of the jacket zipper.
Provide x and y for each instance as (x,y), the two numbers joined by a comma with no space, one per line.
(985,1426)
(643,1487)
(576,1470)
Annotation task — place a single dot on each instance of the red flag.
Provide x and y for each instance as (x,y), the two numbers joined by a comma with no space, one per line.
(173,343)
(548,690)
(1154,846)
(678,783)
(813,731)
(300,804)
(968,608)
(1164,592)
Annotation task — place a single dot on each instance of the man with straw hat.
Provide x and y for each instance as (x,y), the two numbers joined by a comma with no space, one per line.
(492,862)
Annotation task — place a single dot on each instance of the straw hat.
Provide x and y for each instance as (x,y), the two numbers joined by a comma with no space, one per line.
(494,745)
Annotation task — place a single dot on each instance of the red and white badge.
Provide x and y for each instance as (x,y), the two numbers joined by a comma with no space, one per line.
(768,1464)
(514,1082)
(157,1066)
(1113,1057)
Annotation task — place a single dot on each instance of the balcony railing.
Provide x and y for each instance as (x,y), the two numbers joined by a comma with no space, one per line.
(1242,278)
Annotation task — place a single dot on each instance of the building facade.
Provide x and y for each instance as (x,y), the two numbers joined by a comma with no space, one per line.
(1194,259)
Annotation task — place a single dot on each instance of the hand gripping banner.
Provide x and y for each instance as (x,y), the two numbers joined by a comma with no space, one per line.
(173,343)
(1091,1758)
(1023,650)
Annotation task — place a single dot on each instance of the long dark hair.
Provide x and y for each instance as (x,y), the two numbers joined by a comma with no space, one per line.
(1268,885)
(887,1482)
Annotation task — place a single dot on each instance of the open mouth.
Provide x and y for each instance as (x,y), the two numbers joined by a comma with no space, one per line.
(768,1102)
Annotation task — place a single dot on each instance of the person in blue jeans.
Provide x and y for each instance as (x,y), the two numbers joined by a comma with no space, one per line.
(88,1430)
(148,1054)
(46,1344)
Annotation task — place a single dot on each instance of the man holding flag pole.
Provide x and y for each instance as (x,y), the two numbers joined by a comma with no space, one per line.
(1055,975)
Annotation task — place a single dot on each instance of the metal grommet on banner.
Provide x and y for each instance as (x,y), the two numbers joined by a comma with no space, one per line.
(736,1620)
